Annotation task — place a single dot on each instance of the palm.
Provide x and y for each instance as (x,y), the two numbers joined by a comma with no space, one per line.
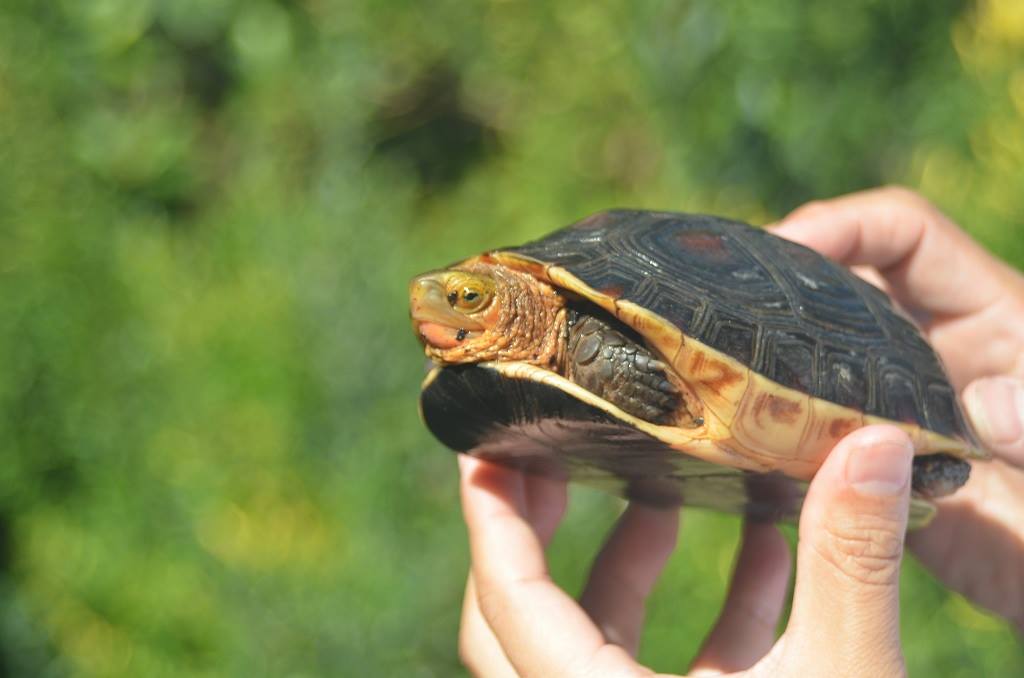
(975,543)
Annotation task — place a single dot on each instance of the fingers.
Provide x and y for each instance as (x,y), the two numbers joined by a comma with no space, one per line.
(996,408)
(540,629)
(846,603)
(745,630)
(930,263)
(625,572)
(479,649)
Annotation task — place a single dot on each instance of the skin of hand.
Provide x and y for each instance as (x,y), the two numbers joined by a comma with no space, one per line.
(971,307)
(845,614)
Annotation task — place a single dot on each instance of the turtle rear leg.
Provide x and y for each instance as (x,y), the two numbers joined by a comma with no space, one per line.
(612,364)
(936,475)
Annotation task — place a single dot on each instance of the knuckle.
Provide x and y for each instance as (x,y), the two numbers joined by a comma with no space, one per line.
(467,645)
(900,192)
(866,551)
(470,643)
(909,198)
(492,603)
(810,210)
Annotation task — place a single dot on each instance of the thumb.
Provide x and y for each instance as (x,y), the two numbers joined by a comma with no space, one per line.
(845,615)
(996,408)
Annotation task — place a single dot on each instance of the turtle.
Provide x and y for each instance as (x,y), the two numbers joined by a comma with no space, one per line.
(678,358)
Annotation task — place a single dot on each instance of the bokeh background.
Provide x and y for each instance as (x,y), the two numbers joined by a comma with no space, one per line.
(209,210)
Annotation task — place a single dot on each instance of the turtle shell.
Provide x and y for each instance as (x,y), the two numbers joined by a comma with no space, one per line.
(783,329)
(779,308)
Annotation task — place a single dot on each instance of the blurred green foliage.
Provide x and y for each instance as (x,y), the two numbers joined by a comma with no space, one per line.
(209,209)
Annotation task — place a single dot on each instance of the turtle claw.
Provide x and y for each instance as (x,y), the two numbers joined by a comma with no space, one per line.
(656,366)
(668,387)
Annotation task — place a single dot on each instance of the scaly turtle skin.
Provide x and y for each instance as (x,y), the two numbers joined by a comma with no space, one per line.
(679,358)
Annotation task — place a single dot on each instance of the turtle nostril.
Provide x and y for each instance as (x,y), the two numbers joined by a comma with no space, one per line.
(425,291)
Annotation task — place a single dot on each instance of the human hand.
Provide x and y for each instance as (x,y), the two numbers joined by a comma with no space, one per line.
(971,307)
(845,612)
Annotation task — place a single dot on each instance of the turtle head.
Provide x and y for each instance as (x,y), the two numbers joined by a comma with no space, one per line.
(485,312)
(449,307)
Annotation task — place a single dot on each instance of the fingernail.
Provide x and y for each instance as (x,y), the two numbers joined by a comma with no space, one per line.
(881,469)
(996,408)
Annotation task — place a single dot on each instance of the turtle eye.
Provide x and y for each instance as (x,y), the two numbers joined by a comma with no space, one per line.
(470,299)
(469,292)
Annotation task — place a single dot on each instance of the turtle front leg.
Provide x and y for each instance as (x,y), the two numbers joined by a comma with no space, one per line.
(620,369)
